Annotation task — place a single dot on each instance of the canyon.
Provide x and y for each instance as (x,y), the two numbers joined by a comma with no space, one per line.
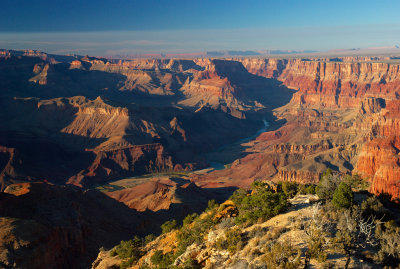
(73,125)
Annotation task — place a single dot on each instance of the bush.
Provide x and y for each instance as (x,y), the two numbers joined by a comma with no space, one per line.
(189,219)
(261,205)
(168,226)
(232,241)
(149,238)
(162,260)
(282,255)
(373,207)
(327,185)
(188,235)
(310,189)
(343,196)
(212,204)
(389,238)
(289,188)
(128,250)
(356,182)
(238,196)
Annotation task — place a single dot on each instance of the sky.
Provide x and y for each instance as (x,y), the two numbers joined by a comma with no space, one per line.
(100,27)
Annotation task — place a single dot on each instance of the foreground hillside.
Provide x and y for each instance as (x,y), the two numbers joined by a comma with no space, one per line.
(337,228)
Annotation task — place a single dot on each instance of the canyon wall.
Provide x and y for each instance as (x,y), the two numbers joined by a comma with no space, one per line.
(370,88)
(344,116)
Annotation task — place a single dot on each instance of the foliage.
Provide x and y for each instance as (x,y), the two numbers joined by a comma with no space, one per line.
(327,185)
(238,196)
(310,189)
(149,238)
(168,226)
(189,219)
(282,255)
(212,204)
(162,260)
(289,188)
(373,207)
(195,233)
(356,182)
(317,231)
(389,239)
(262,204)
(130,251)
(232,241)
(343,196)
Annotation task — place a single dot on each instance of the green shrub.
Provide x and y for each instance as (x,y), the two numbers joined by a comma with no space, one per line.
(238,196)
(189,219)
(310,189)
(373,207)
(149,238)
(289,188)
(261,205)
(212,204)
(195,233)
(356,182)
(162,260)
(168,226)
(343,196)
(232,241)
(130,251)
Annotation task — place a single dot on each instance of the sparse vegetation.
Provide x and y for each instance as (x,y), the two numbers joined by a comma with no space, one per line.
(282,255)
(129,251)
(168,226)
(232,240)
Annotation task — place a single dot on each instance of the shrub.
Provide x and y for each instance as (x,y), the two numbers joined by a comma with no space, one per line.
(162,260)
(373,207)
(149,238)
(168,226)
(232,241)
(343,196)
(282,255)
(310,189)
(189,219)
(389,238)
(130,251)
(238,196)
(261,205)
(212,204)
(289,188)
(188,235)
(327,185)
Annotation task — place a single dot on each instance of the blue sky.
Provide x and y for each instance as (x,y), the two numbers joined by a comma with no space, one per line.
(100,27)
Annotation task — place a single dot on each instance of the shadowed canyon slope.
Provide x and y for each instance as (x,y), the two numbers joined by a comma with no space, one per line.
(86,121)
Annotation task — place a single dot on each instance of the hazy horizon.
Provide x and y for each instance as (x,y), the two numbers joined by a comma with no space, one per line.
(147,27)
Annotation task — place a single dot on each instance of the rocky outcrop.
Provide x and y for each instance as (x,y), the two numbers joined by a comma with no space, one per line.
(330,84)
